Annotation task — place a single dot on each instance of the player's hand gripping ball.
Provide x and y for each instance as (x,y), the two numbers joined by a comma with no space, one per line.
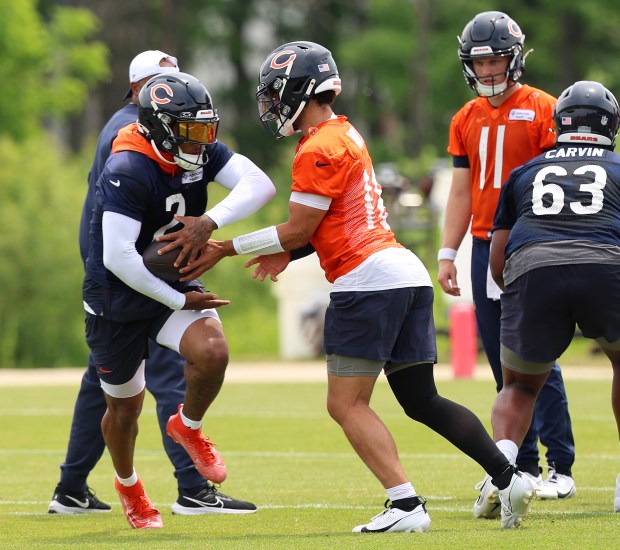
(162,266)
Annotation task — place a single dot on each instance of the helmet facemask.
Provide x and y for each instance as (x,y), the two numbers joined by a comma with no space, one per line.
(276,115)
(512,74)
(200,130)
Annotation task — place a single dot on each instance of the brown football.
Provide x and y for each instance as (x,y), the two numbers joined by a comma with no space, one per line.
(162,266)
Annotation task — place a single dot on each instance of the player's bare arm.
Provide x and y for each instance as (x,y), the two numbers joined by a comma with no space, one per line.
(497,257)
(295,233)
(458,216)
(191,238)
(250,189)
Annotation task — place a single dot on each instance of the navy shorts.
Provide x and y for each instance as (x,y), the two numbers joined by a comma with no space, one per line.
(395,325)
(119,323)
(119,348)
(541,308)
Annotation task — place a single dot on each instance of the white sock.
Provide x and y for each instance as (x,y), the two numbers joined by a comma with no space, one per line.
(510,450)
(193,424)
(404,490)
(128,482)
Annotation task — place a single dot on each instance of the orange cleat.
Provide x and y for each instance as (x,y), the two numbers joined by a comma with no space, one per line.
(207,460)
(139,511)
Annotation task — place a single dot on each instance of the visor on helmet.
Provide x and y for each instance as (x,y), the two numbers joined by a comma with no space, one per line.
(197,132)
(201,129)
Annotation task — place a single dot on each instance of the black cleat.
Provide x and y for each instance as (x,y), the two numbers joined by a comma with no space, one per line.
(208,500)
(65,502)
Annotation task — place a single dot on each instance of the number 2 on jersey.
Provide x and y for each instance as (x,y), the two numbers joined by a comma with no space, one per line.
(179,199)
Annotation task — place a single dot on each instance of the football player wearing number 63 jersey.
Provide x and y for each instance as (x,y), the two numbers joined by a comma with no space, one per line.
(555,251)
(380,316)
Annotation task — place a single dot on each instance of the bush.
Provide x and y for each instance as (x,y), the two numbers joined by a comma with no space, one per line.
(41,314)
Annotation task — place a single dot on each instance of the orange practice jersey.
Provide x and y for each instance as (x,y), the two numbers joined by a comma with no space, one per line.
(498,140)
(332,161)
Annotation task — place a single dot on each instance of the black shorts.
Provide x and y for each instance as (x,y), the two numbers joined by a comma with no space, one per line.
(395,325)
(541,308)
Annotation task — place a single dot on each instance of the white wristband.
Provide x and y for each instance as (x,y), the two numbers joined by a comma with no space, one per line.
(263,241)
(446,254)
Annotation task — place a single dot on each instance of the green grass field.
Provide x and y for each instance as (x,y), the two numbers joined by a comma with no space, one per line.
(288,456)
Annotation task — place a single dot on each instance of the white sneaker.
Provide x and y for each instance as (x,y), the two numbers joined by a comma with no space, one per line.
(394,520)
(516,500)
(556,486)
(617,495)
(487,505)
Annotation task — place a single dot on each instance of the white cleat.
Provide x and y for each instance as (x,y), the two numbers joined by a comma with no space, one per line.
(556,486)
(516,500)
(617,495)
(537,481)
(395,520)
(487,505)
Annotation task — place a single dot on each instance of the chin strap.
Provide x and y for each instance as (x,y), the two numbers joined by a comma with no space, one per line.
(288,124)
(158,153)
(490,91)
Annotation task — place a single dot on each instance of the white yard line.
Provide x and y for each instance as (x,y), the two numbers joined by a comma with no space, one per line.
(268,372)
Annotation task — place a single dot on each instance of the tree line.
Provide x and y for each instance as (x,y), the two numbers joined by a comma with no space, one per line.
(64,68)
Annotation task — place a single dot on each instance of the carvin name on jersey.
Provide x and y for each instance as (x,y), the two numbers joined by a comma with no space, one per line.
(575,152)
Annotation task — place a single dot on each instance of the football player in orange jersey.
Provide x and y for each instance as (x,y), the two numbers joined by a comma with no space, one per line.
(508,124)
(380,317)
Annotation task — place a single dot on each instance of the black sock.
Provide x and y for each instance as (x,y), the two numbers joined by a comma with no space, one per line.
(503,480)
(560,469)
(531,468)
(407,504)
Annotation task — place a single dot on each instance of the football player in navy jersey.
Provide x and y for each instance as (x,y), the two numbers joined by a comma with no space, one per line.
(164,367)
(556,253)
(159,169)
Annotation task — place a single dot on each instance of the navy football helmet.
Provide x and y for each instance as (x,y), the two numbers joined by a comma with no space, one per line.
(174,109)
(290,76)
(492,34)
(587,112)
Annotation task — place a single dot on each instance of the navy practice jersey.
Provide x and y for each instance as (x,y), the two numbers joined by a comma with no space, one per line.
(133,185)
(566,194)
(122,117)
